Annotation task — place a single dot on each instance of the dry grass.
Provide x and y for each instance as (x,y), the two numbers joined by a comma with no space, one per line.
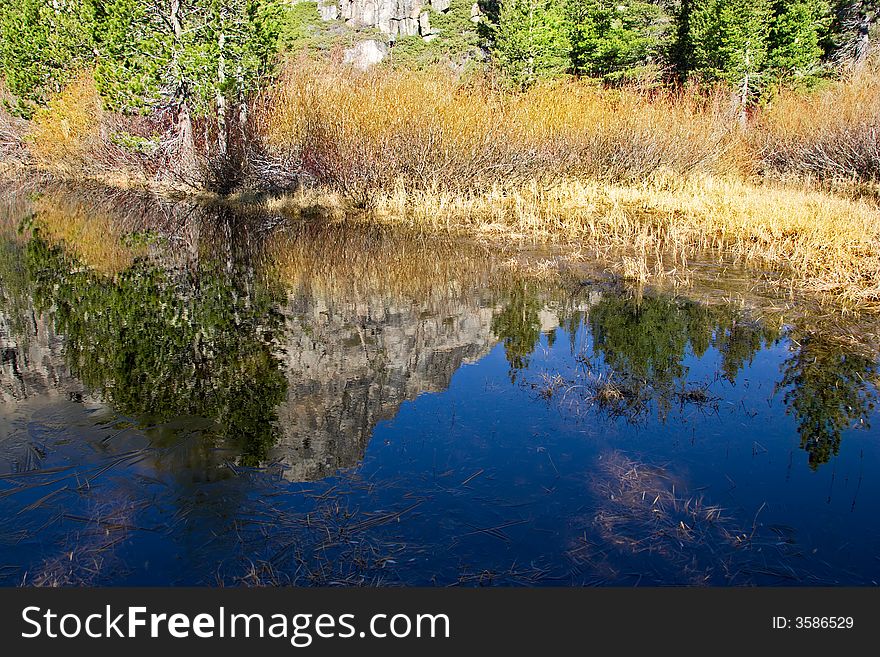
(801,237)
(650,182)
(606,392)
(639,494)
(89,550)
(644,512)
(12,131)
(359,262)
(73,137)
(832,133)
(369,134)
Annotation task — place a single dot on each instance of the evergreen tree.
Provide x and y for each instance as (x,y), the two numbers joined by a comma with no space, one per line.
(186,56)
(531,40)
(681,53)
(730,42)
(612,38)
(42,45)
(796,38)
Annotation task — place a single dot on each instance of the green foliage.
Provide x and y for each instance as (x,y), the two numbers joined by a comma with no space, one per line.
(227,46)
(300,25)
(645,341)
(531,40)
(518,326)
(796,35)
(15,286)
(458,36)
(854,27)
(749,43)
(134,143)
(615,38)
(202,54)
(160,345)
(414,53)
(136,52)
(144,54)
(730,41)
(42,47)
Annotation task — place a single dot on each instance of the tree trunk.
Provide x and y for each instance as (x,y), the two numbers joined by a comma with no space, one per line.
(863,40)
(857,25)
(222,131)
(744,91)
(184,119)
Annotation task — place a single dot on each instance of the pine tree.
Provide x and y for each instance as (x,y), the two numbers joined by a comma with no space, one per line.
(730,42)
(531,40)
(796,35)
(42,45)
(681,53)
(613,38)
(189,57)
(194,57)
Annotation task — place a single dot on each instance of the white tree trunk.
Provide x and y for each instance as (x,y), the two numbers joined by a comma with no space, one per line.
(222,131)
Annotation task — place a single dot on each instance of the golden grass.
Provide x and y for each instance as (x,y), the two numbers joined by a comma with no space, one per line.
(806,238)
(368,133)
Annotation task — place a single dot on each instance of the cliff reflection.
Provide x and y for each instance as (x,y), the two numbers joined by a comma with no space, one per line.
(284,345)
(373,319)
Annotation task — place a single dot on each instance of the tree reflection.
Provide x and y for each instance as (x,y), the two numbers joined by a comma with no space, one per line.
(518,325)
(829,388)
(162,343)
(646,339)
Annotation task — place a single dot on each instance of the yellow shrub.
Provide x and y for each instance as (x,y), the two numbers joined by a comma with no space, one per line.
(64,132)
(367,133)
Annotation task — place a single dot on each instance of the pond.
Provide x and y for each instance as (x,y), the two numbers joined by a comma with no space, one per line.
(215,395)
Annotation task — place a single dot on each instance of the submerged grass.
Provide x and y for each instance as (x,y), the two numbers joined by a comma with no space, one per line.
(677,535)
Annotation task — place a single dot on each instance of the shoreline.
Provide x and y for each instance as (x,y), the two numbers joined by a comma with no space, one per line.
(788,238)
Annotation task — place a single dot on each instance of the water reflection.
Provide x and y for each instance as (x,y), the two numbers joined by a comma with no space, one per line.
(243,385)
(289,342)
(159,344)
(288,346)
(829,387)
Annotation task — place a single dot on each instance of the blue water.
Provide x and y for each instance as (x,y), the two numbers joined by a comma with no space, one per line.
(487,433)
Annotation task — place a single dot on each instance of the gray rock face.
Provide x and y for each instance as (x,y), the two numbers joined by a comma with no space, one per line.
(329,11)
(396,18)
(33,364)
(365,54)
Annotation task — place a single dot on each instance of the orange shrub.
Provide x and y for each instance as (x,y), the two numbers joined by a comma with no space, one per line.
(365,133)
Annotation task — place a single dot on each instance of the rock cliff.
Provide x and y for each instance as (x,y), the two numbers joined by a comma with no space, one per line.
(392,17)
